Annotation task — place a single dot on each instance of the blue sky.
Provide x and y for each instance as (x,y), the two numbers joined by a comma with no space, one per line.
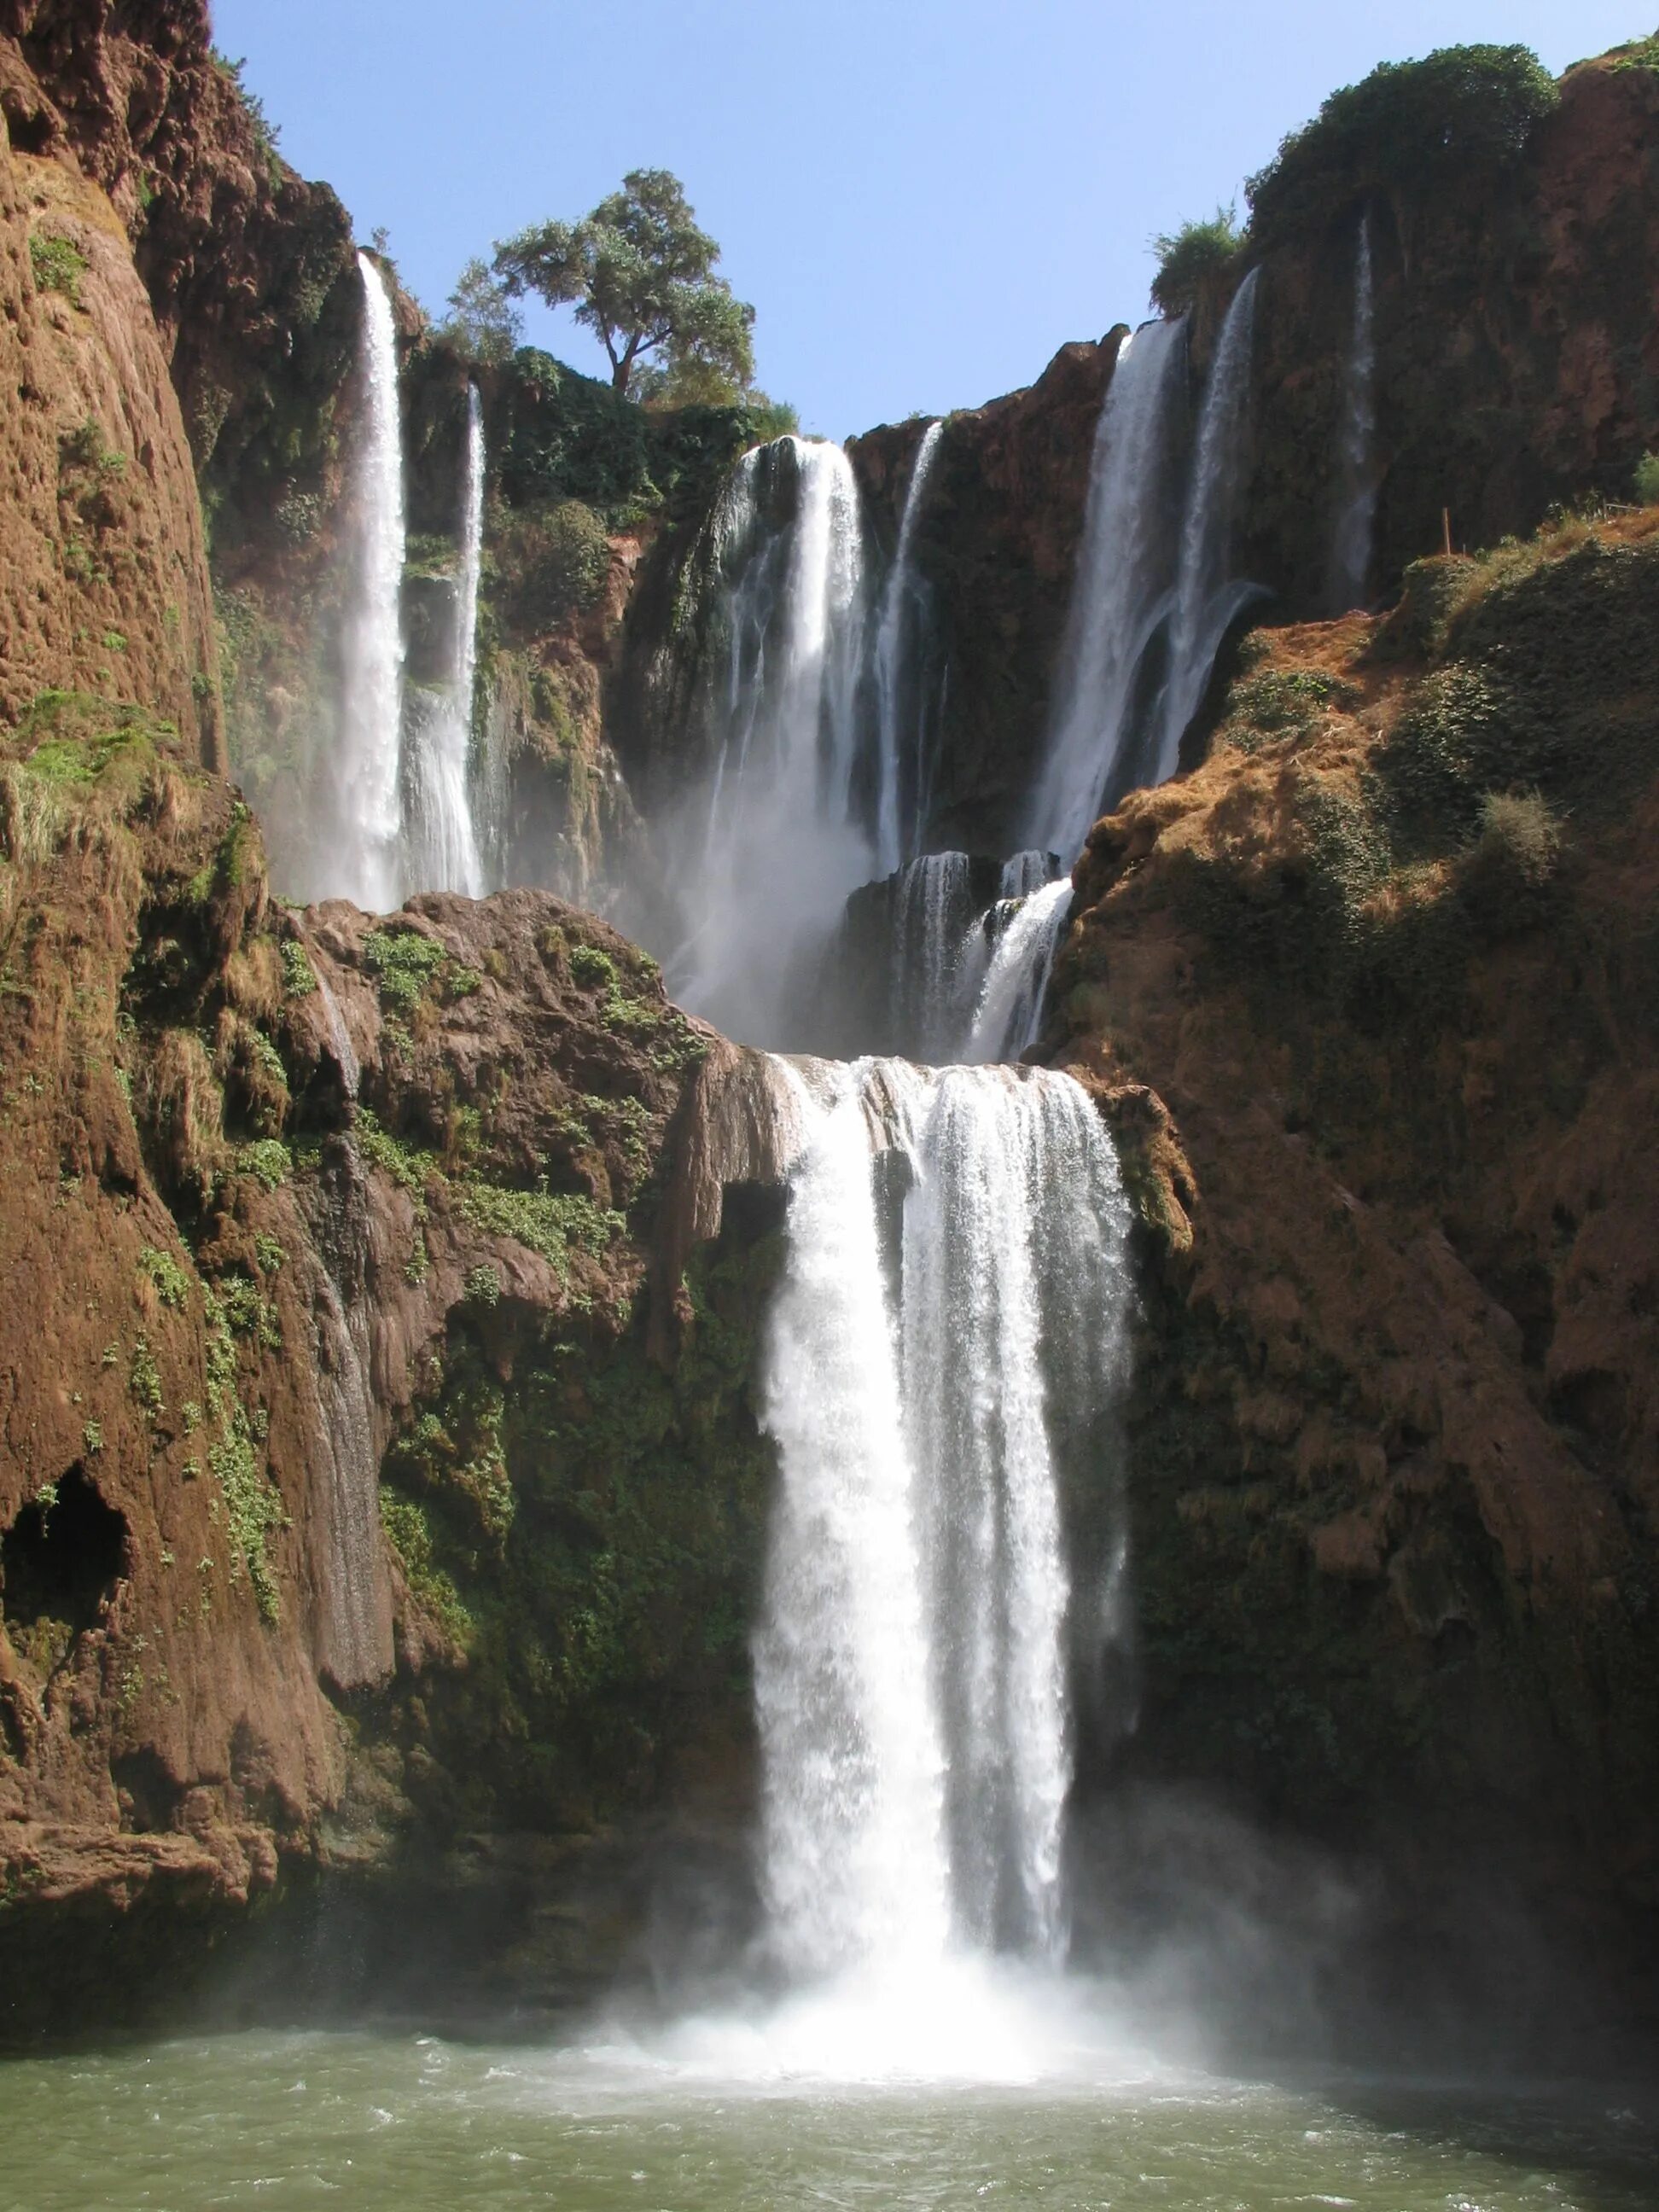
(923,198)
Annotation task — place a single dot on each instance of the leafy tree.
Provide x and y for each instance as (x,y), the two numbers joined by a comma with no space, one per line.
(1186,256)
(483,321)
(640,275)
(1408,128)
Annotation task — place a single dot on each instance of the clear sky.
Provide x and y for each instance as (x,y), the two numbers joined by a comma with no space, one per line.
(923,198)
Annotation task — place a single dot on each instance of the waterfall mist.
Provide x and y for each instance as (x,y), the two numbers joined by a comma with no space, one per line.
(761,853)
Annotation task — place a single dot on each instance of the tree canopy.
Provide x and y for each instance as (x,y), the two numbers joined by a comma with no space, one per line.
(639,274)
(481,320)
(1186,256)
(1409,127)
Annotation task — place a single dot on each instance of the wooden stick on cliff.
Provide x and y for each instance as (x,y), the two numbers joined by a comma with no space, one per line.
(1445,529)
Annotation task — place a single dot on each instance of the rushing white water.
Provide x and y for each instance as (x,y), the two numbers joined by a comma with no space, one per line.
(367,830)
(929,945)
(1024,939)
(1208,596)
(910,1666)
(901,612)
(441,837)
(1351,550)
(1120,591)
(763,860)
(854,1862)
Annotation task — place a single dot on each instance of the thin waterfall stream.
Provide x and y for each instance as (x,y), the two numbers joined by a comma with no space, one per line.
(363,837)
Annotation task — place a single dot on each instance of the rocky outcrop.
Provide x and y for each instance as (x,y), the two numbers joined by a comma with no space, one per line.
(1385,963)
(103,576)
(1515,363)
(339,1233)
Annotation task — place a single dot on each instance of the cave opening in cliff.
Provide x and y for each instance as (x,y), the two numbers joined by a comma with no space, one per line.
(61,1559)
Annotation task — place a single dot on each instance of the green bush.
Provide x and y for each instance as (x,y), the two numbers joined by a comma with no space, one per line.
(58,264)
(1186,257)
(1647,479)
(1409,128)
(1516,856)
(404,964)
(553,562)
(299,978)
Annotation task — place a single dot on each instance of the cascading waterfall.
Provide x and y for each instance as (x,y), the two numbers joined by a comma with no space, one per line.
(928,950)
(368,824)
(911,1662)
(1351,550)
(1121,588)
(902,613)
(1208,598)
(1025,936)
(765,859)
(441,838)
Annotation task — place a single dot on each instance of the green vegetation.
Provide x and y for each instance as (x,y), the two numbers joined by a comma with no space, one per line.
(483,324)
(408,1166)
(144,1379)
(58,264)
(268,1160)
(551,1224)
(171,1283)
(1405,130)
(483,1286)
(615,1615)
(1647,480)
(405,964)
(640,275)
(1186,256)
(298,977)
(554,561)
(1279,703)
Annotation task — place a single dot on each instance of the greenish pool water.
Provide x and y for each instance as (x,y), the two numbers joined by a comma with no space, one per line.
(727,2118)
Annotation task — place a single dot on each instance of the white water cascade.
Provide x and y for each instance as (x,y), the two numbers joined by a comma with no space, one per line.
(930,964)
(765,859)
(367,827)
(1120,592)
(1208,596)
(1025,937)
(922,1378)
(1351,550)
(901,612)
(441,837)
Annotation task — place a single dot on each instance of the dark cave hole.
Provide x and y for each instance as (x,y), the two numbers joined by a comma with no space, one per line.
(62,1557)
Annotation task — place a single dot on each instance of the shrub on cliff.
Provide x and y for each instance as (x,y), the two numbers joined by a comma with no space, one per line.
(1407,129)
(1186,257)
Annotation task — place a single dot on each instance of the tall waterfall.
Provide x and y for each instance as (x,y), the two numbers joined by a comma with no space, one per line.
(1208,598)
(894,661)
(1120,592)
(368,826)
(441,837)
(765,856)
(1350,549)
(910,1666)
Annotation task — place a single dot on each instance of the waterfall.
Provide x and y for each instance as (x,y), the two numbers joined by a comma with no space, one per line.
(1207,597)
(900,616)
(442,840)
(369,823)
(1024,935)
(761,858)
(910,1665)
(1120,591)
(1351,550)
(933,894)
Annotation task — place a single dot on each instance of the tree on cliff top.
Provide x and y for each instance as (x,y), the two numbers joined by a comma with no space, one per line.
(640,275)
